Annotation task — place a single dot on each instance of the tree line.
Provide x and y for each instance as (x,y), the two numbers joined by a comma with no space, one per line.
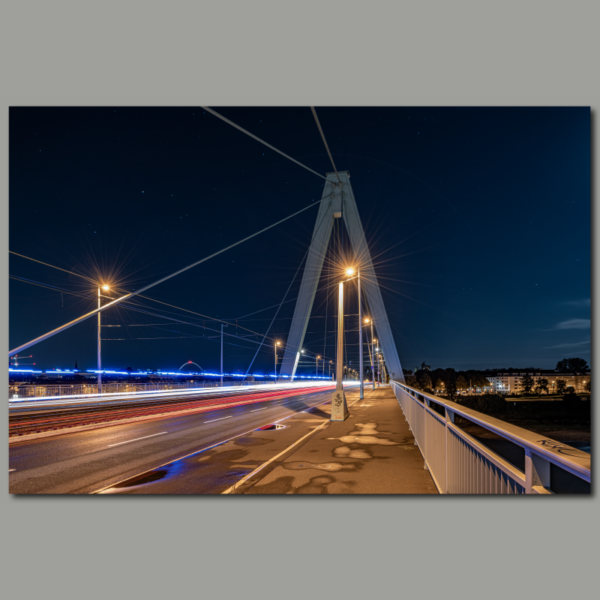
(448,382)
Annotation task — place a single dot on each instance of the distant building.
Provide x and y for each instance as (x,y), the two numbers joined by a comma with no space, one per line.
(510,383)
(425,367)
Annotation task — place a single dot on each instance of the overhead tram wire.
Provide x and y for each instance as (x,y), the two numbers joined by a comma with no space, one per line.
(216,114)
(140,295)
(314,112)
(131,306)
(147,287)
(128,307)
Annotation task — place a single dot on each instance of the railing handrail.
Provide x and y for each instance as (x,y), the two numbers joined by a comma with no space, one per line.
(578,462)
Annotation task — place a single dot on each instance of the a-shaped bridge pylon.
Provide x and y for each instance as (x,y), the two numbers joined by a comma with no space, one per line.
(338,203)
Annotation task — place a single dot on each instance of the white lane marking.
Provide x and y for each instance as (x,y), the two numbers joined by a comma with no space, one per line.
(136,439)
(257,409)
(218,419)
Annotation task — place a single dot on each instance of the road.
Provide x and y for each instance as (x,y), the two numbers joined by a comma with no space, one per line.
(86,461)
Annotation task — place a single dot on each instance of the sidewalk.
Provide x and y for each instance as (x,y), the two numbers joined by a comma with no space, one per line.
(371,452)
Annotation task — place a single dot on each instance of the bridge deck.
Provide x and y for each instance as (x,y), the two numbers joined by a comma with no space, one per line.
(371,452)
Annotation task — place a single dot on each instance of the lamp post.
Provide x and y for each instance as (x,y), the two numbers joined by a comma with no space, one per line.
(378,362)
(350,272)
(276,344)
(317,366)
(360,343)
(339,407)
(100,288)
(367,321)
(221,354)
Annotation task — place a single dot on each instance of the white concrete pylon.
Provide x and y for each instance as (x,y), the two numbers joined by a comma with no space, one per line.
(338,202)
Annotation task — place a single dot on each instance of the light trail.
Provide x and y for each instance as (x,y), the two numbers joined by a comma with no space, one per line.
(56,419)
(230,390)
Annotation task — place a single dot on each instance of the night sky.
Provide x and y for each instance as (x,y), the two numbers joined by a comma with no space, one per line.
(478,220)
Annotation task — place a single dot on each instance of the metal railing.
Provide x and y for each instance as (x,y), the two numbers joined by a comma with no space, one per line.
(42,391)
(460,464)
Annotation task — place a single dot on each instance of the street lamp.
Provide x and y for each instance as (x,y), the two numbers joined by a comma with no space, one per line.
(350,272)
(367,321)
(276,344)
(100,288)
(339,408)
(222,335)
(317,367)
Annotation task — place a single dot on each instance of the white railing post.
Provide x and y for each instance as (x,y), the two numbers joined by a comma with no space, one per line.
(537,473)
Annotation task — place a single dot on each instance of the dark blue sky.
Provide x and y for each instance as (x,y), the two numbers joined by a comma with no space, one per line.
(479,219)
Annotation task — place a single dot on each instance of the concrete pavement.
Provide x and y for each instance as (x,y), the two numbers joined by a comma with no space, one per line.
(371,452)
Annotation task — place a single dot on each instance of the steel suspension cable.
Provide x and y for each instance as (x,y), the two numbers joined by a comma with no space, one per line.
(314,112)
(275,316)
(284,297)
(216,114)
(147,287)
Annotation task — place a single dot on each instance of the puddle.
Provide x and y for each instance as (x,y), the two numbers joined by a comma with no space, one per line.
(147,478)
(250,441)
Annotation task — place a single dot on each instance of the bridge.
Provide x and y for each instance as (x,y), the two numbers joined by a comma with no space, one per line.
(374,436)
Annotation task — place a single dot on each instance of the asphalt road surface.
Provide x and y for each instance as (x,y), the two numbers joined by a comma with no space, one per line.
(86,461)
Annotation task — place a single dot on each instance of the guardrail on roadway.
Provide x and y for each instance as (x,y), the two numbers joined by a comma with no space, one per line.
(460,464)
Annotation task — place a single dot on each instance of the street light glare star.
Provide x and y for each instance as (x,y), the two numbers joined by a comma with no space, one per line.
(349,271)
